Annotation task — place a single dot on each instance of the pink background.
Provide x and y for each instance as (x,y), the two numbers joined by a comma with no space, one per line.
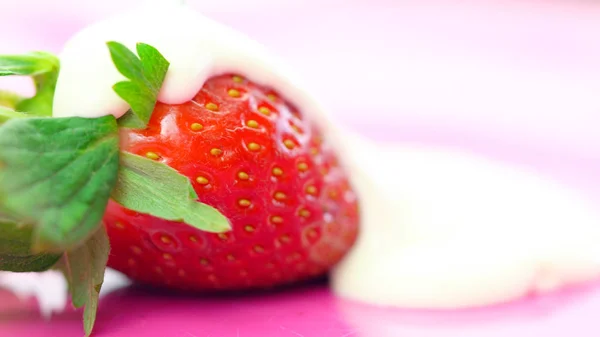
(516,80)
(511,79)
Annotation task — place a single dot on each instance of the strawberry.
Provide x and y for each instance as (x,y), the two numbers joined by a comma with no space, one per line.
(265,166)
(235,189)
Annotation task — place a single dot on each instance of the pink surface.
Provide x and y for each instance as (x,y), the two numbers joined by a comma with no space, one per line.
(512,80)
(309,312)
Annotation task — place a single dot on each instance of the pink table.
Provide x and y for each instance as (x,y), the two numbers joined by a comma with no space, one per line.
(516,80)
(309,311)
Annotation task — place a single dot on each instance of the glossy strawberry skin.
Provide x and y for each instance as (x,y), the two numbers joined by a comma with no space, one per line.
(259,161)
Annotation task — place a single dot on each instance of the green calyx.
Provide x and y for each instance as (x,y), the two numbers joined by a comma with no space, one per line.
(57,175)
(16,255)
(145,74)
(173,197)
(43,68)
(7,114)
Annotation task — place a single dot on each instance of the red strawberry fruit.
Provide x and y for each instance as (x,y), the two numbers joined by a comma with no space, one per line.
(235,189)
(264,165)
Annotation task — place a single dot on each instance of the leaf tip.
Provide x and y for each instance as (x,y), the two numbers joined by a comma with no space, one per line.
(226,225)
(221,225)
(112,44)
(88,326)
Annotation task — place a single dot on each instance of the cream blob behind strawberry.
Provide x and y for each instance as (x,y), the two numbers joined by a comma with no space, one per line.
(458,230)
(405,255)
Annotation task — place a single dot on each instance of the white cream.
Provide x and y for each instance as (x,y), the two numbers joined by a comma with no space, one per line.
(196,47)
(446,229)
(438,230)
(50,288)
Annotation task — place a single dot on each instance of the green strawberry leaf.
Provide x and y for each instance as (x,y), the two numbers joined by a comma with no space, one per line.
(5,217)
(57,174)
(32,64)
(84,270)
(151,187)
(43,68)
(146,75)
(15,252)
(7,114)
(9,99)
